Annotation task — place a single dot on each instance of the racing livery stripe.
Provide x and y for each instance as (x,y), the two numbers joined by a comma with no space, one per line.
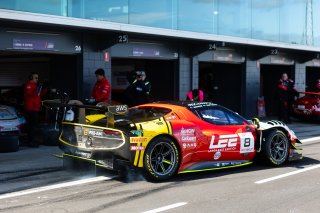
(170,127)
(137,152)
(166,122)
(141,158)
(137,155)
(217,168)
(140,125)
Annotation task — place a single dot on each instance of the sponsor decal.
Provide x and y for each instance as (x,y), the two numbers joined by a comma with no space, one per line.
(189,145)
(171,117)
(229,142)
(223,143)
(217,155)
(121,108)
(137,132)
(138,140)
(246,142)
(135,148)
(188,138)
(160,123)
(95,133)
(85,132)
(187,131)
(188,135)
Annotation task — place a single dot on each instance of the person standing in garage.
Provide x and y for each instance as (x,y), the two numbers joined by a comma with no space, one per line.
(138,92)
(102,89)
(195,95)
(285,94)
(32,104)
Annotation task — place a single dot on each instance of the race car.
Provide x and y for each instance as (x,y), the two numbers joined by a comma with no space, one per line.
(164,139)
(10,125)
(307,107)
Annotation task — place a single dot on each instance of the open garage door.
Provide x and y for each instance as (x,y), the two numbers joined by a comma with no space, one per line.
(312,74)
(160,73)
(269,77)
(221,83)
(60,71)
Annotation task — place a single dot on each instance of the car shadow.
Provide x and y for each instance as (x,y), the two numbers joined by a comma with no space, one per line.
(300,164)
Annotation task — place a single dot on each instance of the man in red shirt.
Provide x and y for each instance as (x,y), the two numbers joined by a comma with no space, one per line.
(102,89)
(32,104)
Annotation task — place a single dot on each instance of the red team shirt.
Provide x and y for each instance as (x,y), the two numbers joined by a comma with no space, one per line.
(101,90)
(32,98)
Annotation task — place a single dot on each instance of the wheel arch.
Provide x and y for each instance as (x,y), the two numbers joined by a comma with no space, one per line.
(173,139)
(279,128)
(170,137)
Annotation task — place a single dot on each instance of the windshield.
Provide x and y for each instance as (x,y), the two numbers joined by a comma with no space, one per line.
(6,114)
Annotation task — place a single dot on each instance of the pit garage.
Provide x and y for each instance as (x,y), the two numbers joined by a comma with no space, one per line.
(269,77)
(221,83)
(57,71)
(160,73)
(312,74)
(221,77)
(159,61)
(55,56)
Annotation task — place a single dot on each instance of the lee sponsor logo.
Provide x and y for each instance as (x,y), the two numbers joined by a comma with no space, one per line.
(228,142)
(138,140)
(135,148)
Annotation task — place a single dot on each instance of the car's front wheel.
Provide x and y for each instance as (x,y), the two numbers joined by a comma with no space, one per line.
(161,159)
(275,148)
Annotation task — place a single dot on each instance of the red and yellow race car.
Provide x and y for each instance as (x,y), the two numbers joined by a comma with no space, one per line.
(164,139)
(307,107)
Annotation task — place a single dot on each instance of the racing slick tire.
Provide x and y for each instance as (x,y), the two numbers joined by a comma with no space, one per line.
(275,148)
(161,159)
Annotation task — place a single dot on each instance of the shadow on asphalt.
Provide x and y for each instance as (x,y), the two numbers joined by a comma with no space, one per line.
(300,164)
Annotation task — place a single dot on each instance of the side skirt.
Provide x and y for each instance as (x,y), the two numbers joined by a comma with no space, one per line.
(208,166)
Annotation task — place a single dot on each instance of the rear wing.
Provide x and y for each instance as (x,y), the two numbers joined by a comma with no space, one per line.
(75,111)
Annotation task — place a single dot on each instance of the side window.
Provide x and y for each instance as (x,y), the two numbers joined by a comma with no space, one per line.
(214,116)
(220,116)
(234,119)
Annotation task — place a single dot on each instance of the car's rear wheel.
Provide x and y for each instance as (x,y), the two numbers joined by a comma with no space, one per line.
(161,159)
(275,148)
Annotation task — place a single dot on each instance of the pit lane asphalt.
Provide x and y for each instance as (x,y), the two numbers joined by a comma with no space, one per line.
(232,190)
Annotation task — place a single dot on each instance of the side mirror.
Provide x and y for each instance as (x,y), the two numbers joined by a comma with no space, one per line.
(255,121)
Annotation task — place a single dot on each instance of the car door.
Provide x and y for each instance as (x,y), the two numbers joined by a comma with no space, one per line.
(229,136)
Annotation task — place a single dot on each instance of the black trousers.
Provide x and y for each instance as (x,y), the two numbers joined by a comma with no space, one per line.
(284,111)
(32,118)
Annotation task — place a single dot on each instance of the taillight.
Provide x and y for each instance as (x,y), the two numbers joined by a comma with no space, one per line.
(19,126)
(111,132)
